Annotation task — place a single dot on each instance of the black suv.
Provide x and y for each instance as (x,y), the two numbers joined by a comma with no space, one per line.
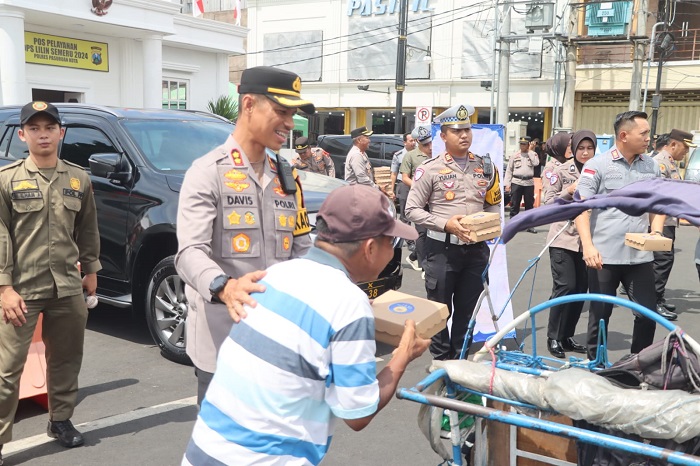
(380,152)
(137,160)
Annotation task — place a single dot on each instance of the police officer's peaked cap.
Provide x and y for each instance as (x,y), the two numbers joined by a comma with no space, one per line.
(525,140)
(283,87)
(682,136)
(301,143)
(36,107)
(361,131)
(456,117)
(422,134)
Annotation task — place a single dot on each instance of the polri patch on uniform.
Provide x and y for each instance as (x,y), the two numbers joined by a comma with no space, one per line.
(286,243)
(553,179)
(279,191)
(479,170)
(471,156)
(240,243)
(237,158)
(21,185)
(418,174)
(662,167)
(283,220)
(249,218)
(73,193)
(75,184)
(445,171)
(449,195)
(448,158)
(449,184)
(616,155)
(482,183)
(547,174)
(572,169)
(234,218)
(237,185)
(235,175)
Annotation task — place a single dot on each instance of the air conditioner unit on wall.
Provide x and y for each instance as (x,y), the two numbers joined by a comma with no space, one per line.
(608,18)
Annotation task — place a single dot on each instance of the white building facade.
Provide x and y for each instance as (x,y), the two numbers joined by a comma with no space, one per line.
(136,53)
(338,45)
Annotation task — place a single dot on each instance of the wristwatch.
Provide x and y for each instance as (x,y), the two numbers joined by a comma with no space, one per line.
(216,286)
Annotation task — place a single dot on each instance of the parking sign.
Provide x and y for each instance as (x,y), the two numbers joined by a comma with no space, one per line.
(423,115)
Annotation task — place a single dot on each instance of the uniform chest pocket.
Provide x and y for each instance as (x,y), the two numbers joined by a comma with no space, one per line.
(614,182)
(25,206)
(72,205)
(518,164)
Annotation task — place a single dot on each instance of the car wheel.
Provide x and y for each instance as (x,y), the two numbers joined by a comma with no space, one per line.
(166,311)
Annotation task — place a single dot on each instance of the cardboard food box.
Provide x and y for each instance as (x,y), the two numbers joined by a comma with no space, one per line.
(393,308)
(648,242)
(382,175)
(483,225)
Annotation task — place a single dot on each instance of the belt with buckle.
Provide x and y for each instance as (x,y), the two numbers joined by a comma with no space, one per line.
(440,236)
(524,178)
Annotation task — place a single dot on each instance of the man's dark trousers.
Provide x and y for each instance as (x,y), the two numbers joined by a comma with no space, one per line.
(663,263)
(517,193)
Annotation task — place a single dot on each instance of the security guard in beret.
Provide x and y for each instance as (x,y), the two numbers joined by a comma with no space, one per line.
(241,210)
(310,159)
(519,178)
(679,143)
(453,184)
(48,223)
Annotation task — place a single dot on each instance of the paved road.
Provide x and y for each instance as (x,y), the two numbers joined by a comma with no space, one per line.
(138,408)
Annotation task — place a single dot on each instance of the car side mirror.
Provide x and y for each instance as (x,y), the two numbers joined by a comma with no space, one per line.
(110,166)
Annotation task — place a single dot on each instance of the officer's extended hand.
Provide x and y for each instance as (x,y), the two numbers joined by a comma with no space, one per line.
(411,345)
(236,293)
(90,283)
(13,307)
(507,188)
(592,257)
(455,228)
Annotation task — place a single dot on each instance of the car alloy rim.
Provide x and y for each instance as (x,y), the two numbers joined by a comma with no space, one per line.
(171,310)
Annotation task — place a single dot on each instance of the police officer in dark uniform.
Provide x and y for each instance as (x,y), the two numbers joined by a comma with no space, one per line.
(453,184)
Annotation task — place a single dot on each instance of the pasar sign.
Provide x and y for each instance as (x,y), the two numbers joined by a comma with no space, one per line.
(381,7)
(44,49)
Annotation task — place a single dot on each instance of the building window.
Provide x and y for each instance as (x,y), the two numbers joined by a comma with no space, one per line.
(175,94)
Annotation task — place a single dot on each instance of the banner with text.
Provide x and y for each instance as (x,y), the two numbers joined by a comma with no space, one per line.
(488,139)
(44,49)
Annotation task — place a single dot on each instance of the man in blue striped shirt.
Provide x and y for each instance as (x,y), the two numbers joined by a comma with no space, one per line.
(305,356)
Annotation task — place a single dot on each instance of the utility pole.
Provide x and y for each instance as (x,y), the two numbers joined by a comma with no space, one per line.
(567,114)
(401,67)
(638,58)
(494,44)
(504,68)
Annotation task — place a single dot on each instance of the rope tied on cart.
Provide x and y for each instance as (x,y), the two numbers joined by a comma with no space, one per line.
(679,350)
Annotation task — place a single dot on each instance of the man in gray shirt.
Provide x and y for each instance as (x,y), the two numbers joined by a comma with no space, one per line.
(602,232)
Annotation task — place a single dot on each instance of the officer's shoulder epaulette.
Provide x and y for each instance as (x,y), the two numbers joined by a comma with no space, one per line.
(475,155)
(71,164)
(12,165)
(429,161)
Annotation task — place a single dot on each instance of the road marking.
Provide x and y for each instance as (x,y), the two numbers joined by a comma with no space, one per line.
(41,439)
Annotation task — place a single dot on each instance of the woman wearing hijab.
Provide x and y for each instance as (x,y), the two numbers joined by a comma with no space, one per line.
(569,274)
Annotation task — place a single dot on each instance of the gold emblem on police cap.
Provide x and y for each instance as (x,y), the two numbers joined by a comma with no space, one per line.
(40,106)
(462,113)
(75,184)
(296,85)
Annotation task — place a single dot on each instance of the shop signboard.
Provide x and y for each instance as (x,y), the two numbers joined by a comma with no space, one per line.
(44,49)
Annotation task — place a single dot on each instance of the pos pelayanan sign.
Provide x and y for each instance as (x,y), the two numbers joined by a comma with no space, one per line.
(44,49)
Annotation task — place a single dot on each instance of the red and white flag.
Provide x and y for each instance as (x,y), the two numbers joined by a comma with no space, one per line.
(237,12)
(197,8)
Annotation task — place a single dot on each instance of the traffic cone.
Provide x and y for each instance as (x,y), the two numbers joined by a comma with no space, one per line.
(32,384)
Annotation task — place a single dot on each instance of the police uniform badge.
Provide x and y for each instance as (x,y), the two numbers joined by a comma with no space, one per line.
(75,184)
(462,113)
(240,243)
(572,169)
